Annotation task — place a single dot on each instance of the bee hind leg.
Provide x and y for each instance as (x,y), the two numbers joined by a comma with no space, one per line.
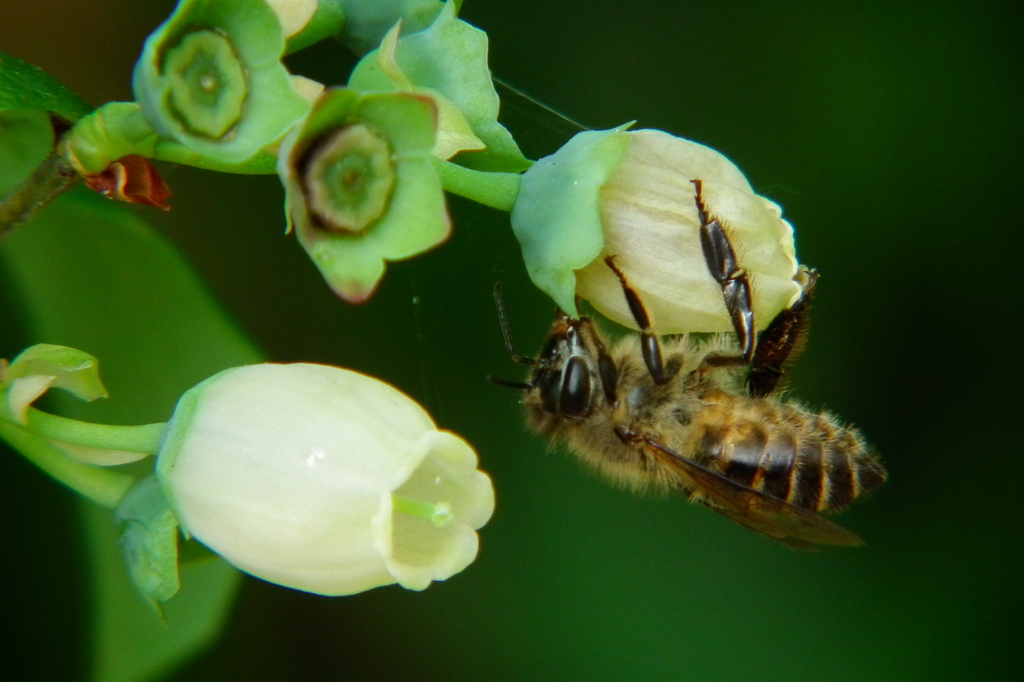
(781,342)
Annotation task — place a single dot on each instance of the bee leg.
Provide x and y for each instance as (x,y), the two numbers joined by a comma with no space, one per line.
(781,341)
(606,368)
(649,340)
(721,261)
(714,360)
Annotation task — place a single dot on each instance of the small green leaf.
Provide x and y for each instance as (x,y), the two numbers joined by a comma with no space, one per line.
(26,137)
(73,370)
(26,86)
(149,540)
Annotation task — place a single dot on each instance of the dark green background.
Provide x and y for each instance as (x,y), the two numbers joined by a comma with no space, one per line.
(892,135)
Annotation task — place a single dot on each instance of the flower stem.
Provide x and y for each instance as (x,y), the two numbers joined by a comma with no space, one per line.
(144,438)
(50,179)
(102,486)
(497,190)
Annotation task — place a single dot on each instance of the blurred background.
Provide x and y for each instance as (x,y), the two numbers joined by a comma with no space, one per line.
(891,133)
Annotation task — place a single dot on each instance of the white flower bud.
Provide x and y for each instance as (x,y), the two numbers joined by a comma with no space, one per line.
(631,195)
(322,479)
(652,227)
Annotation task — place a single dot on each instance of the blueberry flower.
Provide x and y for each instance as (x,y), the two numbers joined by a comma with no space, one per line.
(631,195)
(322,479)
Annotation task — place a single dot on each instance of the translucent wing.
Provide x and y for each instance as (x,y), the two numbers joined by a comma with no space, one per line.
(770,516)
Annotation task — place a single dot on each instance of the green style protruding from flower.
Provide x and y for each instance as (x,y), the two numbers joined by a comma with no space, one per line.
(360,188)
(211,78)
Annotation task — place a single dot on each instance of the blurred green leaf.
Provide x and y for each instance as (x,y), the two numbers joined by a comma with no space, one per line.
(90,274)
(26,86)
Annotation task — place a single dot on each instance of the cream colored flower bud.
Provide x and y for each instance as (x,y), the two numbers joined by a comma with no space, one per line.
(322,479)
(631,195)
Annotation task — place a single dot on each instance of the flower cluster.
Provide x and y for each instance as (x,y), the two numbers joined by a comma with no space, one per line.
(324,479)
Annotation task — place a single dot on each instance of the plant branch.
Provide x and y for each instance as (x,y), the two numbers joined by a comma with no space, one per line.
(51,178)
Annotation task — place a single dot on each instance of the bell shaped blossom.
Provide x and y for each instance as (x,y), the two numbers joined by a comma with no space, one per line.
(211,78)
(322,479)
(631,195)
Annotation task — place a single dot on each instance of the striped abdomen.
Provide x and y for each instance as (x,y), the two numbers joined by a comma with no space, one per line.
(806,459)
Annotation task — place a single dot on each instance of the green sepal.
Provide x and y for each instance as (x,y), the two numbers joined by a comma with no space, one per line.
(327,21)
(367,21)
(557,217)
(271,106)
(414,219)
(26,86)
(149,541)
(449,57)
(73,370)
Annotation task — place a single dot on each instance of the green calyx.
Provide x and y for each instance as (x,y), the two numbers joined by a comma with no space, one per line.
(448,62)
(367,22)
(348,179)
(360,186)
(211,79)
(557,217)
(207,84)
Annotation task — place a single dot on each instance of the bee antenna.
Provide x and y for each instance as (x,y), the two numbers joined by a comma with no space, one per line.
(518,385)
(506,331)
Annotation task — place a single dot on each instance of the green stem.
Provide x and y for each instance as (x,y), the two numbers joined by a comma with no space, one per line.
(50,179)
(118,129)
(144,438)
(497,190)
(100,485)
(262,163)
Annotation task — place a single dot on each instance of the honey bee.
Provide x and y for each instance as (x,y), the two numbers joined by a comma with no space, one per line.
(698,414)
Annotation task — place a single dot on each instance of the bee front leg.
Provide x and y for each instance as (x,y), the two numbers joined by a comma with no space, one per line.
(721,261)
(649,340)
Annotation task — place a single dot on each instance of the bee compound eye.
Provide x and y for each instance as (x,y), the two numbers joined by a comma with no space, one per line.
(575,397)
(549,384)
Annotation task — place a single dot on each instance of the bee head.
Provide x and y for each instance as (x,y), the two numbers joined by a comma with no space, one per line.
(572,362)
